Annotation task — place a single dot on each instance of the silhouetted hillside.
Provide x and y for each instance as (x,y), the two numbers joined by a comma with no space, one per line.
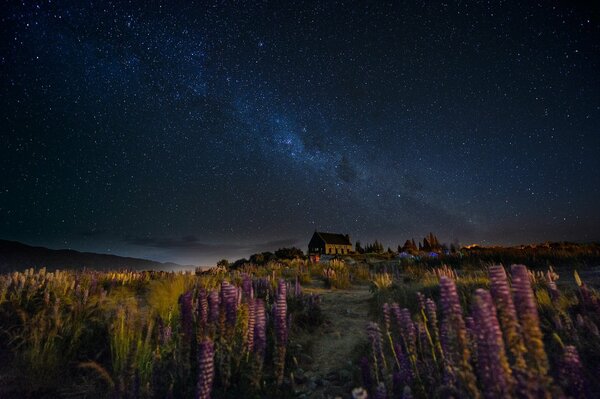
(18,256)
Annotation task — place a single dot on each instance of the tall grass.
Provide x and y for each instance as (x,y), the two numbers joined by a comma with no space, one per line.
(129,334)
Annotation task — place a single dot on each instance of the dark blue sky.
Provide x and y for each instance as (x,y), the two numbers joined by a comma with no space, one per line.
(191,132)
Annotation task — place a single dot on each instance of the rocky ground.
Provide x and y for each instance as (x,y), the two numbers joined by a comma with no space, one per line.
(328,366)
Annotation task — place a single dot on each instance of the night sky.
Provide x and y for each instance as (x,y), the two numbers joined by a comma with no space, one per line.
(190,133)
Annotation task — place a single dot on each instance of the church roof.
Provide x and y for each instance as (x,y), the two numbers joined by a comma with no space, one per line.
(336,239)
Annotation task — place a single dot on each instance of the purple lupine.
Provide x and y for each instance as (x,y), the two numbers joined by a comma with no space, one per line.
(213,306)
(406,327)
(281,330)
(408,331)
(526,307)
(261,286)
(206,369)
(374,334)
(421,301)
(456,345)
(280,314)
(365,368)
(251,323)
(571,373)
(432,321)
(386,316)
(507,314)
(381,392)
(260,328)
(202,307)
(229,300)
(397,385)
(187,314)
(297,287)
(247,287)
(405,371)
(492,365)
(472,334)
(423,340)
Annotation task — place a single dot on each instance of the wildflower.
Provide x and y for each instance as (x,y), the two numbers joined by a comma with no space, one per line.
(492,364)
(508,317)
(281,331)
(365,368)
(456,345)
(229,299)
(381,392)
(247,287)
(251,324)
(374,334)
(187,318)
(528,316)
(202,307)
(260,325)
(386,316)
(206,370)
(213,306)
(571,373)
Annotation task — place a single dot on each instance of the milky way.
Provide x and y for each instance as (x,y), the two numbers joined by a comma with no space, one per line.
(195,132)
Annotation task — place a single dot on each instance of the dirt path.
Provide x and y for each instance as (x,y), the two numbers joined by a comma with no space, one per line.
(333,347)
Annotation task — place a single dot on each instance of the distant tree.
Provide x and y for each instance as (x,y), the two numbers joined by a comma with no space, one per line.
(430,243)
(376,247)
(358,248)
(409,247)
(238,263)
(223,263)
(262,258)
(289,253)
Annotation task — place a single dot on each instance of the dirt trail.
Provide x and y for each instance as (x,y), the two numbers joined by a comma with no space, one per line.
(333,347)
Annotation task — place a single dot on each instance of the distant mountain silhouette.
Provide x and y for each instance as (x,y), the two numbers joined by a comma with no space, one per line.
(18,256)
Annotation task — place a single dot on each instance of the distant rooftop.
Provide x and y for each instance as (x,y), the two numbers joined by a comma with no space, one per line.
(333,238)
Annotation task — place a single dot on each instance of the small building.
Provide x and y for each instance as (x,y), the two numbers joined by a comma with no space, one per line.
(329,244)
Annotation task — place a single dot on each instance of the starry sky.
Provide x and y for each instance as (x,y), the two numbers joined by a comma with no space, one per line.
(192,132)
